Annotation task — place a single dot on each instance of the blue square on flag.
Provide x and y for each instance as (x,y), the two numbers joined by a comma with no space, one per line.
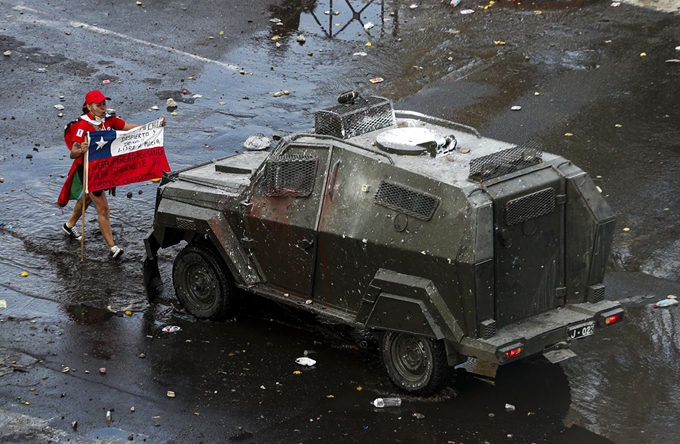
(100,144)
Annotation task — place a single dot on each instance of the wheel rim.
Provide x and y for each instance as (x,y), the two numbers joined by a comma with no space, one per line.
(411,357)
(201,285)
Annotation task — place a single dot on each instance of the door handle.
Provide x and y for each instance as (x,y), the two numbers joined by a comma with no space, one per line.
(305,244)
(331,180)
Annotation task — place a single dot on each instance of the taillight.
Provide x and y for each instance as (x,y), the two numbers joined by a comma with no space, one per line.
(613,319)
(513,352)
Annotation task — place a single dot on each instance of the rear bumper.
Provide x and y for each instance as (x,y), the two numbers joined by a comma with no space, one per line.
(540,333)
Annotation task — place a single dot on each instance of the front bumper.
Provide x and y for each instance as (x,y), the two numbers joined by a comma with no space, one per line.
(541,332)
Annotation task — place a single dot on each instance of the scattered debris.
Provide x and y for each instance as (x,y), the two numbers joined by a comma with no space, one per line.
(413,6)
(24,274)
(74,425)
(454,3)
(568,134)
(301,39)
(281,93)
(499,42)
(7,53)
(171,394)
(643,54)
(615,4)
(360,54)
(59,107)
(516,108)
(109,417)
(102,370)
(626,229)
(258,142)
(386,402)
(418,416)
(171,328)
(368,25)
(377,80)
(509,408)
(3,303)
(673,61)
(665,303)
(305,361)
(170,103)
(467,11)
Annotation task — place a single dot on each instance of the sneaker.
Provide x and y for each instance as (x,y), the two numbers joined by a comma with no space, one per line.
(116,252)
(71,231)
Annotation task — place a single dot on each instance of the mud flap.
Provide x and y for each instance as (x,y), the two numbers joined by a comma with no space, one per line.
(480,368)
(153,284)
(559,355)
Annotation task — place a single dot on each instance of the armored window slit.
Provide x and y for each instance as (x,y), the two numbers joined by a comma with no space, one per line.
(506,161)
(530,206)
(406,200)
(291,175)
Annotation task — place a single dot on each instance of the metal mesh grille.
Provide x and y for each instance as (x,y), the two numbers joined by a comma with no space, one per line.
(488,328)
(530,206)
(504,162)
(596,293)
(363,116)
(186,224)
(405,200)
(291,175)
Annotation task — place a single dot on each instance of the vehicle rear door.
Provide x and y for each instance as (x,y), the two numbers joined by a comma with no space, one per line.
(529,246)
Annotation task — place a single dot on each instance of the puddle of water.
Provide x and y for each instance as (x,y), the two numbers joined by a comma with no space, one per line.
(86,315)
(622,382)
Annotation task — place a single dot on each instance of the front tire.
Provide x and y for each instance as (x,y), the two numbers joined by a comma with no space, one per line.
(415,364)
(203,285)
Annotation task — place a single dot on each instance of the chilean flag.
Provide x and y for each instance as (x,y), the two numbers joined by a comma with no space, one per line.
(118,158)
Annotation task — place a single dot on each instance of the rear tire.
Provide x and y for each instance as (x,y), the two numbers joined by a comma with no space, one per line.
(415,364)
(203,285)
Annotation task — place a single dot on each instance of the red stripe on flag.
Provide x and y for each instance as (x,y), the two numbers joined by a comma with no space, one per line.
(125,169)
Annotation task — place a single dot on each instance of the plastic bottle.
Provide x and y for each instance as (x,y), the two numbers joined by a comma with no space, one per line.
(665,303)
(454,3)
(386,402)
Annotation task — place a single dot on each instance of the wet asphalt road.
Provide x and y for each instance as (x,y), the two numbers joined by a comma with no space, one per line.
(235,381)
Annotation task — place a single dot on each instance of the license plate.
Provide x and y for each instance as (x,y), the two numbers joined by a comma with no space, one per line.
(581,330)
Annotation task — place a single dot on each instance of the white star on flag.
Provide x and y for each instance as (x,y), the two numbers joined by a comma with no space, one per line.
(101,143)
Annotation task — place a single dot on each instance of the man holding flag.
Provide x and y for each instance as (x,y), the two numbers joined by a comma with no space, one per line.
(117,156)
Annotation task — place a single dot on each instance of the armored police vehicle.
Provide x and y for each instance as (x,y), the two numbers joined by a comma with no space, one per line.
(446,244)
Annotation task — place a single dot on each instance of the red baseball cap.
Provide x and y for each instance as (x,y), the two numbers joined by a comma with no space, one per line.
(95,96)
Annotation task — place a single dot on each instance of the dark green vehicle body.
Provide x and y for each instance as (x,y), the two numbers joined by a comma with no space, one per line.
(494,251)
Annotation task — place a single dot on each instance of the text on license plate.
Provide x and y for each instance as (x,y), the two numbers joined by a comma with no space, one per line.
(581,330)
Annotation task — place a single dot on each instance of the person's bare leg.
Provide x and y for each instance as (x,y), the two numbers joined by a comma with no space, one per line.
(77,211)
(103,217)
